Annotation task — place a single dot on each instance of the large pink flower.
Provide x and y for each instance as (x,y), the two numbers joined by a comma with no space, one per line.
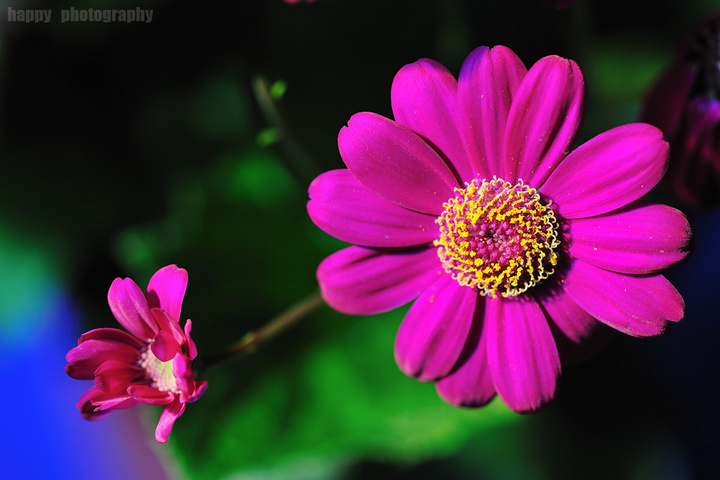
(153,365)
(472,200)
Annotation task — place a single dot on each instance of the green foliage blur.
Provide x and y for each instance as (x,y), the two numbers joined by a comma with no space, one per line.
(192,140)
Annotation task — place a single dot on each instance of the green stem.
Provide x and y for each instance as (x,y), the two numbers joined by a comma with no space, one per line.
(300,162)
(251,341)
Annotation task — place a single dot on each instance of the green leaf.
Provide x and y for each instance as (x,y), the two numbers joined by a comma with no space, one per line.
(332,398)
(278,89)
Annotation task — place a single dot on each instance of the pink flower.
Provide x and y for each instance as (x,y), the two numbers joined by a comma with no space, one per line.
(685,104)
(472,201)
(153,365)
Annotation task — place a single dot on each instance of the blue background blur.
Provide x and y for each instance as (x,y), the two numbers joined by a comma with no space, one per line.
(126,147)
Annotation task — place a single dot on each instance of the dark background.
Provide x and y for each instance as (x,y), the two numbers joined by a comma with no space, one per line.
(126,147)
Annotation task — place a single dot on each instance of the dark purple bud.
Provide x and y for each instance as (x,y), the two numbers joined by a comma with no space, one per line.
(694,173)
(685,104)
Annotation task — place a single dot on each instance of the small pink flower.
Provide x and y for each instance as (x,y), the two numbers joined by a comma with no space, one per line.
(520,251)
(153,365)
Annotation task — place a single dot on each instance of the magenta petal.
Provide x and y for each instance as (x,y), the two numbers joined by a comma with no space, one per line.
(521,352)
(184,376)
(191,349)
(149,395)
(471,385)
(344,208)
(128,304)
(575,323)
(106,401)
(424,99)
(608,172)
(640,238)
(545,116)
(165,347)
(488,81)
(636,305)
(89,355)
(89,411)
(112,334)
(363,281)
(166,290)
(578,335)
(200,388)
(167,419)
(167,324)
(395,163)
(433,333)
(115,376)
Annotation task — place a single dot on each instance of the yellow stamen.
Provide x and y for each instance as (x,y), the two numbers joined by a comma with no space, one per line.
(498,237)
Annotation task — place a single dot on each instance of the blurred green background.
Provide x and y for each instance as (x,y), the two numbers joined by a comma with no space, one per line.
(192,140)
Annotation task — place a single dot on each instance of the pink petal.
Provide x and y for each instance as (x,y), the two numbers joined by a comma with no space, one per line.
(471,385)
(184,376)
(165,347)
(395,163)
(489,80)
(149,395)
(424,99)
(190,348)
(87,409)
(363,281)
(117,403)
(113,376)
(640,238)
(167,419)
(433,333)
(578,335)
(167,324)
(636,305)
(200,388)
(344,208)
(521,352)
(166,290)
(544,119)
(89,355)
(130,308)
(112,334)
(608,172)
(106,401)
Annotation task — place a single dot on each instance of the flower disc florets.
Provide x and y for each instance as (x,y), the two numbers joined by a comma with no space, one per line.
(498,237)
(160,372)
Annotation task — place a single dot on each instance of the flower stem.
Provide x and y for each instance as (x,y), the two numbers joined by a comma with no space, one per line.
(251,341)
(300,162)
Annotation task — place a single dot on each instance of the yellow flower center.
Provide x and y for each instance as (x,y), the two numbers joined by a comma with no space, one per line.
(498,237)
(160,372)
